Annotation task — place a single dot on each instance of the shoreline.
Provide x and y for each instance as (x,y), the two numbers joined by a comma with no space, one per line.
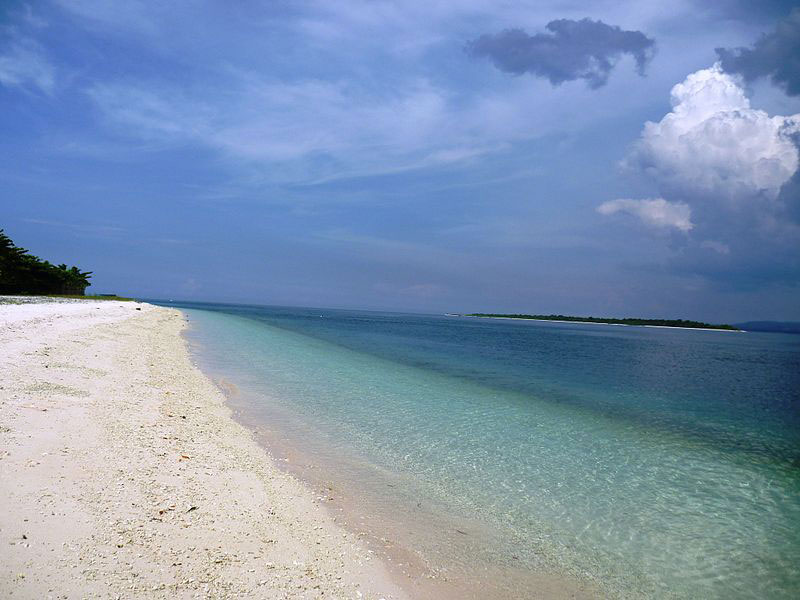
(352,490)
(124,473)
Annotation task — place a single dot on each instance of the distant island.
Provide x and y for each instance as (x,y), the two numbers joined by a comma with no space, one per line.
(606,321)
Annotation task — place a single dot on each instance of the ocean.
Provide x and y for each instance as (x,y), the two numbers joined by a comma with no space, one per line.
(639,462)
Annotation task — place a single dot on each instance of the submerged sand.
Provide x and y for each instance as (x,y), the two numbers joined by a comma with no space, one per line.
(122,473)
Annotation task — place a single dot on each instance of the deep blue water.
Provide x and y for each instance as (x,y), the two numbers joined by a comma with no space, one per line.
(658,462)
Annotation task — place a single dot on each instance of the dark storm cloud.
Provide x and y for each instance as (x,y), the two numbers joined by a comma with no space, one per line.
(582,49)
(745,250)
(775,55)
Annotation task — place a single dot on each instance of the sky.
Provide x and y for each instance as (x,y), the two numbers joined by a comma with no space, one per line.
(605,158)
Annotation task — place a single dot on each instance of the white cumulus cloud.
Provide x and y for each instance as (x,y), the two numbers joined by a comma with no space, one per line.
(655,212)
(727,176)
(714,145)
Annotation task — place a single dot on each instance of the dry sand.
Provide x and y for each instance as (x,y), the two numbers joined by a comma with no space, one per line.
(122,473)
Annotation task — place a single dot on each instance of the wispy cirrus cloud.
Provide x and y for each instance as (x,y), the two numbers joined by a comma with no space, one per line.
(24,64)
(330,122)
(317,129)
(319,91)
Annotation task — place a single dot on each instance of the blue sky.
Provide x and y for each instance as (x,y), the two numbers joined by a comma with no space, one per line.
(604,158)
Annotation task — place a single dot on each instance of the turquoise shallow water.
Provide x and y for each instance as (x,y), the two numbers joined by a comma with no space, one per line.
(661,463)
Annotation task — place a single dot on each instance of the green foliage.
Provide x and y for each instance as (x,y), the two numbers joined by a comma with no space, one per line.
(657,322)
(22,273)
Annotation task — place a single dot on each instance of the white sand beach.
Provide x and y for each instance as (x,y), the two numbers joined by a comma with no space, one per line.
(122,473)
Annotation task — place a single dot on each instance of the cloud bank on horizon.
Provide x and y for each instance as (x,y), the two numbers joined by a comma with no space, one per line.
(424,155)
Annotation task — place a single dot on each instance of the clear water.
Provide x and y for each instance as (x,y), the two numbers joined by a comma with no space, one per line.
(657,462)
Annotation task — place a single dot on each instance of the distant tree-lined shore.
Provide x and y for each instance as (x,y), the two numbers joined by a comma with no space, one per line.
(23,273)
(632,321)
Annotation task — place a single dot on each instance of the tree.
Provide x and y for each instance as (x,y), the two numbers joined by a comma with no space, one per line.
(23,273)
